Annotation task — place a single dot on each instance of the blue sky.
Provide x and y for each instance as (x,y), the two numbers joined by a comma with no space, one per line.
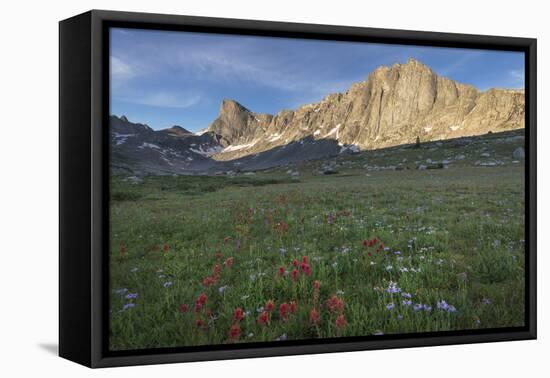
(164,78)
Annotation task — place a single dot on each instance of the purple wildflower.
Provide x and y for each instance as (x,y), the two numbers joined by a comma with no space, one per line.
(392,288)
(222,289)
(418,307)
(444,306)
(128,306)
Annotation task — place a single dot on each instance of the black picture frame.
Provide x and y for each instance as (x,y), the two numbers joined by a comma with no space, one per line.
(84,189)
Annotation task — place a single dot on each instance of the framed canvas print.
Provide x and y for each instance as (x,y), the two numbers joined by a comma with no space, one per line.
(234,188)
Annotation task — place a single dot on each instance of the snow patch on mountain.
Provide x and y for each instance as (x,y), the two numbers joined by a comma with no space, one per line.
(206,152)
(237,147)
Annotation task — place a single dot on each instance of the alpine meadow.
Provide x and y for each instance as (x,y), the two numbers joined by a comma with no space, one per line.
(390,204)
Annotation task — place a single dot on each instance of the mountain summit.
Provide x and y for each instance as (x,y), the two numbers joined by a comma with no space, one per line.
(177,131)
(235,122)
(393,106)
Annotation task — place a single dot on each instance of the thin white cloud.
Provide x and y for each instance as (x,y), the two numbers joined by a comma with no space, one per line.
(240,62)
(120,70)
(458,64)
(164,99)
(516,79)
(517,75)
(223,65)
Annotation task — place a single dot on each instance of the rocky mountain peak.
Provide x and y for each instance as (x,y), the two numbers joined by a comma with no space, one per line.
(393,106)
(235,122)
(121,125)
(178,131)
(229,107)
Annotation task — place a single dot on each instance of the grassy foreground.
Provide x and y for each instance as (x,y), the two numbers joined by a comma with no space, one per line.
(210,260)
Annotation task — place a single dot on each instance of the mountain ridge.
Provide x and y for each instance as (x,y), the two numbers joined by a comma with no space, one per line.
(395,105)
(392,106)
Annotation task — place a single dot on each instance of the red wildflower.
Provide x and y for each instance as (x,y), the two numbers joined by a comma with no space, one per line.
(304,259)
(281,271)
(199,323)
(238,314)
(316,285)
(202,299)
(295,262)
(200,302)
(283,310)
(210,280)
(269,305)
(198,306)
(335,304)
(381,245)
(228,262)
(293,307)
(306,269)
(341,321)
(208,313)
(165,248)
(366,243)
(184,307)
(235,331)
(295,274)
(370,254)
(263,318)
(217,269)
(314,317)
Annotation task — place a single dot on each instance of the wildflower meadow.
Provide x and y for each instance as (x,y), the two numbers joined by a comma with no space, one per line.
(207,260)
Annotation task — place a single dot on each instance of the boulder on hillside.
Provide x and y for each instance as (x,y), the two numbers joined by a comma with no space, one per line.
(519,153)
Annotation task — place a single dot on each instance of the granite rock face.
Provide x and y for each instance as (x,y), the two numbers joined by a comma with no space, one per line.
(393,106)
(235,122)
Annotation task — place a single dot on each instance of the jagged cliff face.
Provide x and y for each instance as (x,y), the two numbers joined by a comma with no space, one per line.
(236,123)
(393,106)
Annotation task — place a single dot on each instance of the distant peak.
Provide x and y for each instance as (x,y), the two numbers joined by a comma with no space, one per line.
(123,118)
(177,130)
(413,61)
(231,105)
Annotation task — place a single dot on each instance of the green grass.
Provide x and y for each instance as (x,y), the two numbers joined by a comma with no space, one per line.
(459,233)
